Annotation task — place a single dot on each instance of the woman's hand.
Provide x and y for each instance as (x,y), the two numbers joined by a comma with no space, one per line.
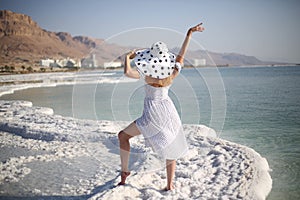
(131,54)
(198,28)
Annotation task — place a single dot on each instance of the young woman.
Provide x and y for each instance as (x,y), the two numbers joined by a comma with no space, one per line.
(160,123)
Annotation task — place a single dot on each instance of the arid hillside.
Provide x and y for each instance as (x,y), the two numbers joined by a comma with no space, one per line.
(23,42)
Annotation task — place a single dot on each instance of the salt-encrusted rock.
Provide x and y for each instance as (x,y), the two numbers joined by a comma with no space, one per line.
(81,157)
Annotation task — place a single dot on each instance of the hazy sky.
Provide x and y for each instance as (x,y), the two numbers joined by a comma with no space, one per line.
(267,29)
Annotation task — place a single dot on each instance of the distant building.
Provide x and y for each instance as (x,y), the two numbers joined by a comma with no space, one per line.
(46,62)
(112,64)
(199,62)
(89,62)
(67,62)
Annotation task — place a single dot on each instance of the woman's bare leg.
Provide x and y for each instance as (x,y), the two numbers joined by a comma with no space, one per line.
(124,137)
(171,165)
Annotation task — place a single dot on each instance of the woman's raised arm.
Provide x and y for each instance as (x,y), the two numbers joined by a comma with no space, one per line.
(128,71)
(181,54)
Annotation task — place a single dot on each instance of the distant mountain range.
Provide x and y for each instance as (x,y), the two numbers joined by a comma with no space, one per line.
(24,43)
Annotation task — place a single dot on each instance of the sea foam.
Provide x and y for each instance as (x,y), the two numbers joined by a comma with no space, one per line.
(12,83)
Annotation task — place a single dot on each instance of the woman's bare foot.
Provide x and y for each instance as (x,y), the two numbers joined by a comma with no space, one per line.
(171,187)
(124,175)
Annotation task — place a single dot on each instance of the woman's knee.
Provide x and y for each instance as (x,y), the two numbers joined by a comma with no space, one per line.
(123,136)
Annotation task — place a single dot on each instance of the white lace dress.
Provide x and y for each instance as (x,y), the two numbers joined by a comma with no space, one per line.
(160,124)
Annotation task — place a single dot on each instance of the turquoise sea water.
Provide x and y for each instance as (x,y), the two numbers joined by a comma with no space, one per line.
(261,110)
